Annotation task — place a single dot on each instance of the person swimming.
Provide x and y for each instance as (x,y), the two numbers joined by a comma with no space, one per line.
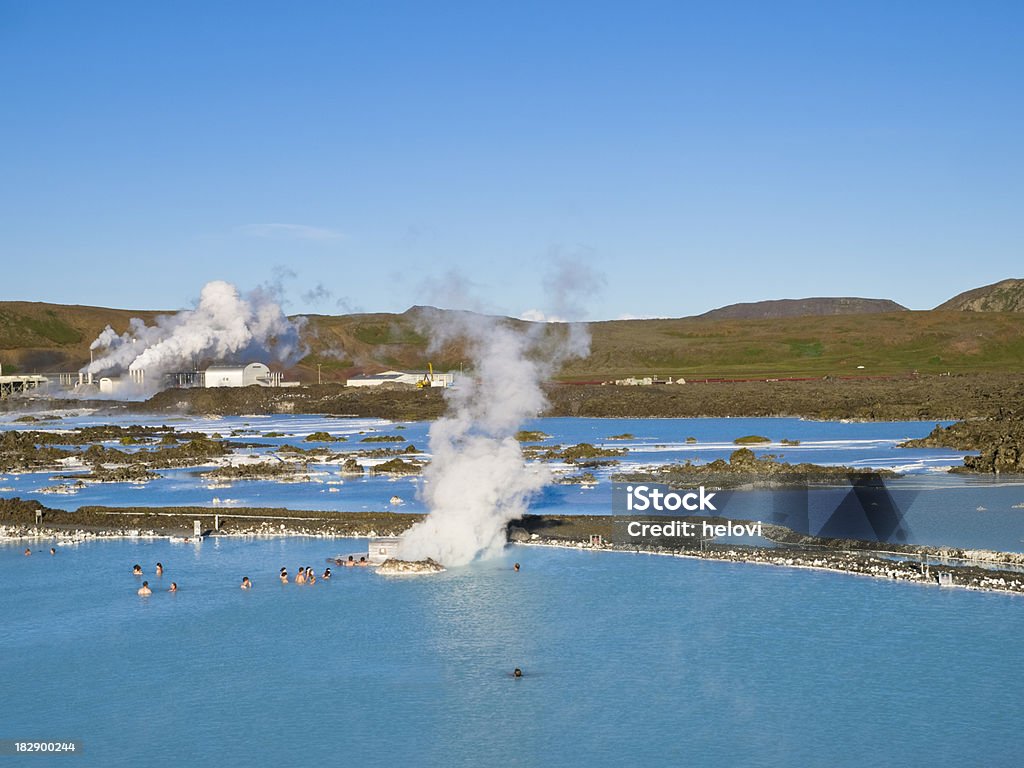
(517,673)
(362,562)
(144,590)
(310,576)
(27,551)
(159,569)
(350,562)
(300,577)
(327,573)
(246,584)
(284,576)
(516,567)
(53,551)
(174,587)
(136,570)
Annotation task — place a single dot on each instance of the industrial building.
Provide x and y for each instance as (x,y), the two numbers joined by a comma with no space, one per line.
(11,385)
(409,378)
(253,374)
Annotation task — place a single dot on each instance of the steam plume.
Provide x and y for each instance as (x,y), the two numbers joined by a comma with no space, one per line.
(478,479)
(223,326)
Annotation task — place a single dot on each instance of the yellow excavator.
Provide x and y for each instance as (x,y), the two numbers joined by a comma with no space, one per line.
(428,378)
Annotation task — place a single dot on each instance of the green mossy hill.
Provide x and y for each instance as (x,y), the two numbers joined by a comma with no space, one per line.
(979,330)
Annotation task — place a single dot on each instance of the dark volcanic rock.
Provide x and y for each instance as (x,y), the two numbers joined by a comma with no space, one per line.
(515,533)
(999,441)
(745,468)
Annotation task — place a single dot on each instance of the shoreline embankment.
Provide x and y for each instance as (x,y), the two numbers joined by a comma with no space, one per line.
(945,567)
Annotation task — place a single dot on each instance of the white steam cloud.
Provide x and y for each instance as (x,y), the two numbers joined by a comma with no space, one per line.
(478,479)
(224,326)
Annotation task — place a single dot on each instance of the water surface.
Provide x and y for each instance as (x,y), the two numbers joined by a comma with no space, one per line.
(629,659)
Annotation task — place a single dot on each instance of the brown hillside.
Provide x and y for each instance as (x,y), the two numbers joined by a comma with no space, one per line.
(1004,296)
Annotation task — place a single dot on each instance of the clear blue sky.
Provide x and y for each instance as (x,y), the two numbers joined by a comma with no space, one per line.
(694,154)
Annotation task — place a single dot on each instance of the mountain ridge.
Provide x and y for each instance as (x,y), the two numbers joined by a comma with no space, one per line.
(818,305)
(1003,296)
(42,337)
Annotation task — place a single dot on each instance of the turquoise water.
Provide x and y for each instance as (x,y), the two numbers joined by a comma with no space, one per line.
(939,509)
(629,659)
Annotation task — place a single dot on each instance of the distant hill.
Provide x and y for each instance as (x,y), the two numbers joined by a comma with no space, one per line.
(766,310)
(1004,296)
(833,340)
(36,336)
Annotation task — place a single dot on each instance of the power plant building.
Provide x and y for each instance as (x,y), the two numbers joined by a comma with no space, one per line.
(409,378)
(253,374)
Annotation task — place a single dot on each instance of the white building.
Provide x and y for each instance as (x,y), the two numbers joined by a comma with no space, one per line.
(409,378)
(253,374)
(383,549)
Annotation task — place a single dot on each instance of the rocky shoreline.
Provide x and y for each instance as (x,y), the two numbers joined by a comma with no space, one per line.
(745,469)
(976,570)
(853,563)
(999,441)
(895,398)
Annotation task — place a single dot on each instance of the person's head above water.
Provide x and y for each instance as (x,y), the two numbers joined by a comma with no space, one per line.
(136,569)
(518,672)
(174,587)
(515,567)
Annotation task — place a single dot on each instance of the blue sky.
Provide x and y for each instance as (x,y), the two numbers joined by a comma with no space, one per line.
(677,156)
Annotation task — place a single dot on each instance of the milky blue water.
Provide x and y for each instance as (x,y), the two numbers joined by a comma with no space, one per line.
(938,509)
(629,660)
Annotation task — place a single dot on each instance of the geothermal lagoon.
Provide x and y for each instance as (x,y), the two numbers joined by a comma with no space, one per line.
(664,660)
(940,509)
